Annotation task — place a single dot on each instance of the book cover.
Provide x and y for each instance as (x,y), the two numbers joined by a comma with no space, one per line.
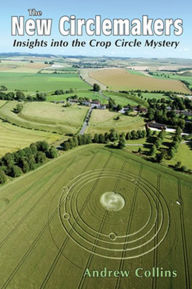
(95,145)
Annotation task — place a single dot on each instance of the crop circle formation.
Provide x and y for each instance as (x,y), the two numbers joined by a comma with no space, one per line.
(128,219)
(112,201)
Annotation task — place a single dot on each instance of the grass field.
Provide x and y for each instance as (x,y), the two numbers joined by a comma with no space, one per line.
(104,120)
(80,93)
(125,98)
(184,155)
(13,137)
(42,82)
(54,226)
(150,95)
(120,79)
(175,77)
(45,116)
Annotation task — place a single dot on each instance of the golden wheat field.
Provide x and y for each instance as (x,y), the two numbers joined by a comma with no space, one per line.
(120,79)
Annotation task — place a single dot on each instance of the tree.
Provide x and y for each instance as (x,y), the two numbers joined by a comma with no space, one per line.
(40,157)
(101,138)
(113,135)
(52,153)
(20,95)
(161,134)
(128,136)
(31,162)
(178,165)
(33,148)
(183,169)
(15,171)
(121,143)
(178,131)
(96,87)
(71,143)
(158,142)
(42,146)
(80,140)
(75,141)
(18,108)
(159,157)
(3,177)
(153,151)
(96,138)
(8,159)
(66,146)
(139,150)
(106,137)
(134,134)
(111,104)
(88,138)
(40,96)
(171,153)
(24,166)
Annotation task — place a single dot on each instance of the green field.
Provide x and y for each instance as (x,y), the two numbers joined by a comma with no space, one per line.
(14,138)
(104,120)
(41,82)
(80,93)
(183,155)
(166,75)
(54,225)
(125,98)
(150,95)
(45,116)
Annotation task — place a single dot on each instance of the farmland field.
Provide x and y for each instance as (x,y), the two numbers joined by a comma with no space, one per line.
(125,98)
(104,120)
(120,79)
(45,116)
(13,137)
(55,224)
(184,155)
(21,66)
(80,94)
(185,76)
(42,82)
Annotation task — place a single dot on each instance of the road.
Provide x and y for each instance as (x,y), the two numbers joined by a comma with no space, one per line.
(86,122)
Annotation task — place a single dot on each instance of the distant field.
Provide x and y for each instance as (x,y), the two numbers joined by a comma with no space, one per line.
(165,75)
(41,82)
(150,95)
(80,93)
(54,225)
(120,79)
(21,66)
(45,116)
(124,98)
(104,120)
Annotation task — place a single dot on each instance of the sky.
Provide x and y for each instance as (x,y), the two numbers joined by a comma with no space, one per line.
(107,9)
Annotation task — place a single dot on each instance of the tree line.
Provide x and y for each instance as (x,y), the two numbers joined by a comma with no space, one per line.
(24,160)
(118,139)
(20,96)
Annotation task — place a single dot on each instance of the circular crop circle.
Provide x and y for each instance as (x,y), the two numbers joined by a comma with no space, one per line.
(112,201)
(128,220)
